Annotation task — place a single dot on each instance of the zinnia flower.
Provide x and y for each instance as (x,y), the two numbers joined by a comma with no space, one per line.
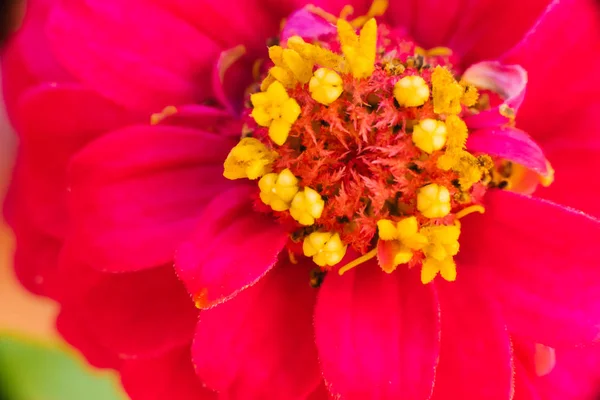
(353,211)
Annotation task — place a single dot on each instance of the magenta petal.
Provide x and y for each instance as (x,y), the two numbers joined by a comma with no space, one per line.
(102,42)
(231,249)
(553,83)
(510,144)
(138,192)
(171,376)
(508,81)
(378,334)
(540,261)
(475,350)
(260,344)
(307,25)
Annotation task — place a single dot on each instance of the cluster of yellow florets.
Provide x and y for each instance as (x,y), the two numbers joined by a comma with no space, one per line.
(322,71)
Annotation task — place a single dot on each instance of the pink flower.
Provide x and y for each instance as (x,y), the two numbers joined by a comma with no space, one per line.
(103,202)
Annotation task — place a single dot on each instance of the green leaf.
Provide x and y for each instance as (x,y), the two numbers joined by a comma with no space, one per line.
(35,371)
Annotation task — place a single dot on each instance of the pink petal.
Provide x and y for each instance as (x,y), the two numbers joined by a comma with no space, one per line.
(510,144)
(553,83)
(138,192)
(260,344)
(573,185)
(141,314)
(378,334)
(540,261)
(133,53)
(508,81)
(475,350)
(231,249)
(307,25)
(170,376)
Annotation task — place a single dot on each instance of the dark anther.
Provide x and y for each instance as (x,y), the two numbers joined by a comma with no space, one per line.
(415,168)
(317,276)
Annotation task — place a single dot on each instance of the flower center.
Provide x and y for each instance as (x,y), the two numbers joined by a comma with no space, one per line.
(357,141)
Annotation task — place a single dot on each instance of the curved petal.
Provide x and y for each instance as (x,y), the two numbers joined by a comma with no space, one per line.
(102,42)
(378,334)
(260,344)
(476,359)
(231,249)
(135,315)
(138,192)
(554,89)
(508,81)
(307,25)
(511,144)
(171,376)
(540,261)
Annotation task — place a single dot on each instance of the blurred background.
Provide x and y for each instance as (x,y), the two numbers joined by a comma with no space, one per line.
(35,364)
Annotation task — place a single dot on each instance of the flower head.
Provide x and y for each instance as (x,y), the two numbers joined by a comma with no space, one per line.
(352,211)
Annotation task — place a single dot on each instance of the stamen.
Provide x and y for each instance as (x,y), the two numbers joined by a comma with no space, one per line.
(357,261)
(278,190)
(411,91)
(276,110)
(307,206)
(325,248)
(248,159)
(470,210)
(430,135)
(433,201)
(446,92)
(378,8)
(325,86)
(156,118)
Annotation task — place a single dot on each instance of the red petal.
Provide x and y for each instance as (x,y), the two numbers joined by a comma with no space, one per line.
(27,59)
(231,76)
(260,344)
(171,376)
(68,324)
(231,249)
(540,261)
(141,314)
(378,334)
(133,52)
(54,121)
(137,193)
(553,84)
(475,350)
